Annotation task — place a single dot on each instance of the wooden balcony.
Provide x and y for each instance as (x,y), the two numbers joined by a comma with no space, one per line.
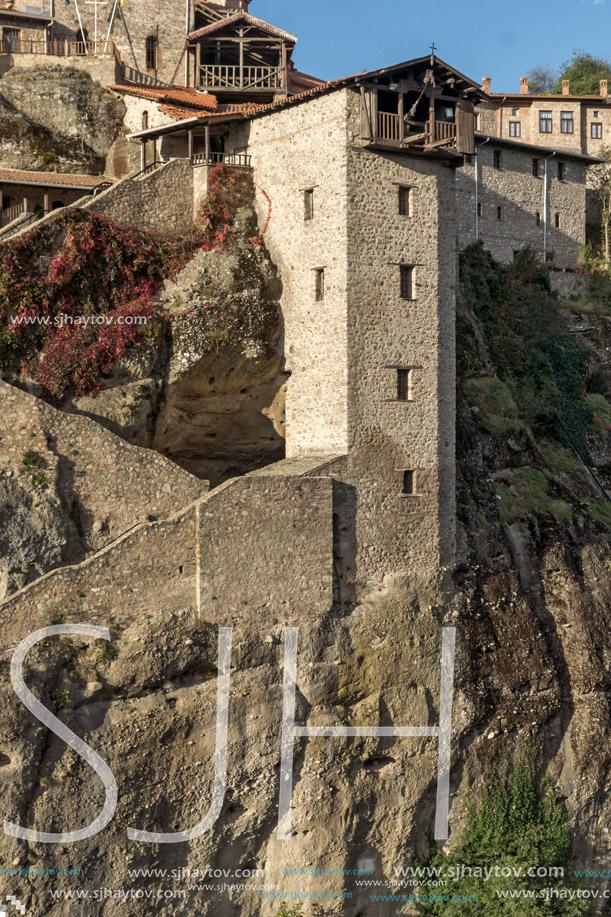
(243,79)
(431,133)
(235,160)
(58,48)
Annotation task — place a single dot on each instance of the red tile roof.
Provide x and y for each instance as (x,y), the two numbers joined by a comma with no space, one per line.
(215,27)
(181,94)
(52,178)
(180,114)
(299,80)
(527,97)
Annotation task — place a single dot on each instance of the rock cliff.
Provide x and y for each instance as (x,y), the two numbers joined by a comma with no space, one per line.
(529,599)
(68,125)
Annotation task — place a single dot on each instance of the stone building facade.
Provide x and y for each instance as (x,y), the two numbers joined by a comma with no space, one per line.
(371,370)
(579,124)
(512,196)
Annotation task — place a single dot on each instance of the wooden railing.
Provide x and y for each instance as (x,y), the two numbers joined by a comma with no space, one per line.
(251,78)
(58,48)
(11,213)
(241,160)
(391,130)
(389,127)
(142,79)
(444,130)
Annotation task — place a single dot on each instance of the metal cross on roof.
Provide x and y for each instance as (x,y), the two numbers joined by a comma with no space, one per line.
(433,48)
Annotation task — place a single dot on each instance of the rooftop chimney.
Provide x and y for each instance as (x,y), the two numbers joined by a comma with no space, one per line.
(524,85)
(566,87)
(603,89)
(486,84)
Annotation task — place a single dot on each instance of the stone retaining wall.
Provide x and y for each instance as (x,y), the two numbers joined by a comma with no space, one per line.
(265,546)
(161,200)
(569,284)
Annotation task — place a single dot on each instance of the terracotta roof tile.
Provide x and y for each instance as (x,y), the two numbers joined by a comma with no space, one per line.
(181,94)
(175,111)
(52,178)
(241,17)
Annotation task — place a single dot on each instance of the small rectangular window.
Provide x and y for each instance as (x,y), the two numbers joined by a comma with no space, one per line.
(405,386)
(557,221)
(499,213)
(479,209)
(319,284)
(545,122)
(407,281)
(468,159)
(151,52)
(405,201)
(535,168)
(560,171)
(596,131)
(409,482)
(567,123)
(595,114)
(514,112)
(538,219)
(308,204)
(515,128)
(497,159)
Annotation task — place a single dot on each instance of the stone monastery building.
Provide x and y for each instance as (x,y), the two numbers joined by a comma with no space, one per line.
(370,186)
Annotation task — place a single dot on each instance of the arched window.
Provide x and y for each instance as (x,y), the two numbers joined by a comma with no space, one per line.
(151,52)
(145,120)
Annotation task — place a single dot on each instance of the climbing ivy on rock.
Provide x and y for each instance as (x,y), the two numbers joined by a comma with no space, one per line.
(77,292)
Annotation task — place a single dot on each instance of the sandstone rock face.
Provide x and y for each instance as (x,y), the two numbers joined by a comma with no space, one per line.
(530,605)
(68,125)
(210,395)
(68,487)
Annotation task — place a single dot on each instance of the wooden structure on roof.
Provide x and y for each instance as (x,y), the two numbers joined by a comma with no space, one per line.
(239,57)
(422,104)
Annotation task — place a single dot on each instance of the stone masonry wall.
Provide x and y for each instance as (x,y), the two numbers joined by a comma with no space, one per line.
(527,112)
(162,200)
(35,196)
(139,19)
(304,147)
(265,546)
(340,350)
(395,532)
(566,285)
(104,483)
(103,70)
(520,195)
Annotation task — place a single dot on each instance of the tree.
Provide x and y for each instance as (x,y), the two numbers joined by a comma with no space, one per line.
(519,824)
(599,179)
(541,80)
(585,73)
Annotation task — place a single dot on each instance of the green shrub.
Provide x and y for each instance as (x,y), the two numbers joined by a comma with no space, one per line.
(535,356)
(30,461)
(520,822)
(528,494)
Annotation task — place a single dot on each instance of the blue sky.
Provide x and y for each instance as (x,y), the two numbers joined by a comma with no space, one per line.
(483,38)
